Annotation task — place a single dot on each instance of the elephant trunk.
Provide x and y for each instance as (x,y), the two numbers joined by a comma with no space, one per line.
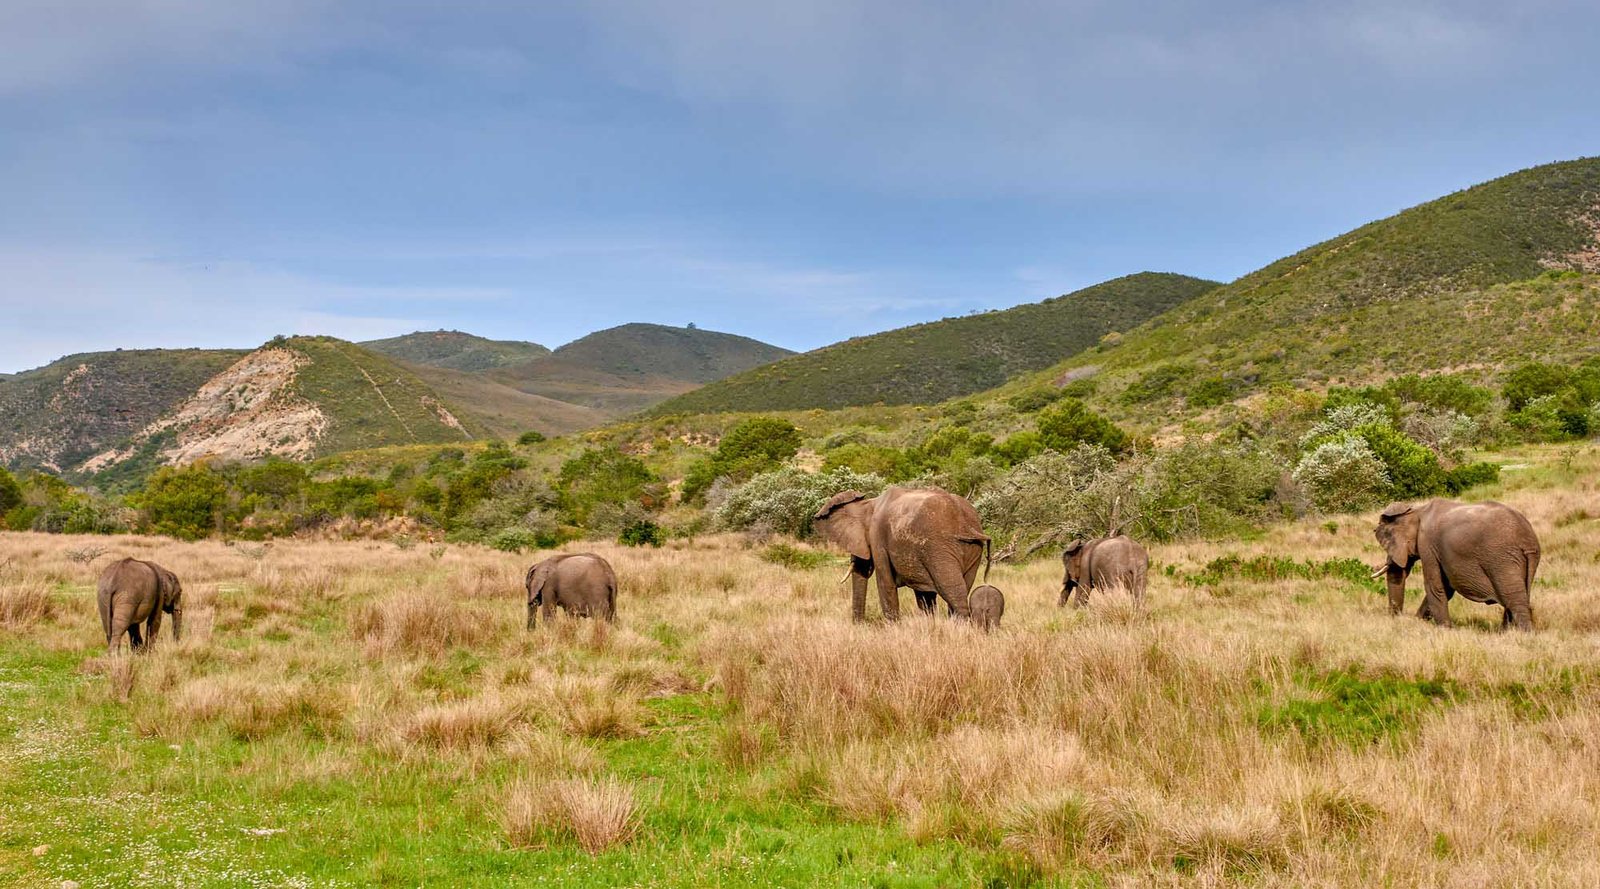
(533,608)
(1396,578)
(177,624)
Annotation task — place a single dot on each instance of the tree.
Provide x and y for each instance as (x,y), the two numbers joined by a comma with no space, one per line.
(598,476)
(10,492)
(1070,423)
(756,445)
(184,502)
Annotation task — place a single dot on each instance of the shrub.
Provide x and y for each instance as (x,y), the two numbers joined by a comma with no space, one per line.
(756,445)
(516,540)
(184,502)
(1342,475)
(1532,380)
(1030,400)
(600,476)
(1071,423)
(1443,392)
(531,437)
(1209,392)
(785,500)
(1413,470)
(642,533)
(890,463)
(10,491)
(1157,383)
(1471,475)
(1343,418)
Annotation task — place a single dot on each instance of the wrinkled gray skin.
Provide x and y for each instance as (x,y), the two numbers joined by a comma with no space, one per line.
(1106,563)
(132,592)
(987,604)
(1487,552)
(924,538)
(582,584)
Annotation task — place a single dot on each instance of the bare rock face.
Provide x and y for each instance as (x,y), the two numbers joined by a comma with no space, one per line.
(248,411)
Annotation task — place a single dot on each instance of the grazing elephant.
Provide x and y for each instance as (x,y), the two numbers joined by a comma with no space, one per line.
(987,604)
(1102,564)
(132,592)
(583,584)
(1487,552)
(923,538)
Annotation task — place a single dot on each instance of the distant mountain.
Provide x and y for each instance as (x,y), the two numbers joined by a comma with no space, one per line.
(628,368)
(927,363)
(455,350)
(1490,276)
(504,411)
(59,415)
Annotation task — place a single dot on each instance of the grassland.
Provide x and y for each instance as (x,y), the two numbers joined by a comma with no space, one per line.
(360,713)
(927,363)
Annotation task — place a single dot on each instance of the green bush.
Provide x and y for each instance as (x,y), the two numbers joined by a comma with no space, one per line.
(756,445)
(1443,392)
(1471,475)
(1157,383)
(601,476)
(1209,392)
(1030,400)
(790,556)
(1414,471)
(184,502)
(784,501)
(1070,423)
(531,437)
(10,492)
(516,540)
(1342,474)
(890,463)
(642,533)
(1532,380)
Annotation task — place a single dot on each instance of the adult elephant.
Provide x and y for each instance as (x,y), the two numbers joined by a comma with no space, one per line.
(1114,561)
(1487,552)
(582,584)
(133,592)
(924,538)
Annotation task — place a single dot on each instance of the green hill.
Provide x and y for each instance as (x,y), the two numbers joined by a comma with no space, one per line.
(504,411)
(927,363)
(1490,275)
(455,350)
(61,414)
(630,367)
(371,401)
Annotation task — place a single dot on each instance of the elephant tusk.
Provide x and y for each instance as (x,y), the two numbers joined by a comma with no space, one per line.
(1381,570)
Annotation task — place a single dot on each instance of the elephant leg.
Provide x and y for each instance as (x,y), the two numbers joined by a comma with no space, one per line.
(951,584)
(135,638)
(858,596)
(153,625)
(1510,588)
(888,593)
(926,601)
(1435,603)
(548,607)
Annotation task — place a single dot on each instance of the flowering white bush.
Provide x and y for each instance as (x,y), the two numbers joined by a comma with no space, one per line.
(783,501)
(1445,431)
(1345,419)
(1342,475)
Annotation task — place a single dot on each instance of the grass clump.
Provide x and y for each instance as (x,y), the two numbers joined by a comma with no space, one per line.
(1347,708)
(597,814)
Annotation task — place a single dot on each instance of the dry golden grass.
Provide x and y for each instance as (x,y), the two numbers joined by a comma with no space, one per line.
(1195,741)
(597,814)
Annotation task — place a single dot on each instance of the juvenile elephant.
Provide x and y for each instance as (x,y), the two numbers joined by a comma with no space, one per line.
(924,538)
(583,584)
(131,592)
(988,604)
(1103,564)
(1487,552)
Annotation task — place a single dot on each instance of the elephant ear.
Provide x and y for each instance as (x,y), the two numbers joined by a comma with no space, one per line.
(1394,511)
(1073,548)
(844,527)
(171,589)
(535,579)
(837,501)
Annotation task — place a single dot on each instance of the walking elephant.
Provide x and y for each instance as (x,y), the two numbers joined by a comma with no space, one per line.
(1487,552)
(924,538)
(133,592)
(1103,564)
(988,606)
(582,584)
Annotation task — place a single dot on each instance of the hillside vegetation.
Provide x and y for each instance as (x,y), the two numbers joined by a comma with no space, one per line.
(372,401)
(927,363)
(503,411)
(627,368)
(455,350)
(1443,286)
(59,415)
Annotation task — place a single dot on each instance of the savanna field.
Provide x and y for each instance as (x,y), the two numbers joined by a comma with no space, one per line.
(374,713)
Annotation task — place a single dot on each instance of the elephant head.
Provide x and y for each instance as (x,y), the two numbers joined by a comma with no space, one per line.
(843,521)
(534,582)
(1072,560)
(170,591)
(1397,534)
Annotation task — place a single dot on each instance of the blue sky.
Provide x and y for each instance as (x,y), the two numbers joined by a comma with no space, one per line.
(187,172)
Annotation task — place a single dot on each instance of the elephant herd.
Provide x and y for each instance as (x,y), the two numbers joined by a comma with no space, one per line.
(933,542)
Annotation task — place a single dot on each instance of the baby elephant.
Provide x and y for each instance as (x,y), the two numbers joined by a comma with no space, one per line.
(987,604)
(581,583)
(132,592)
(1102,564)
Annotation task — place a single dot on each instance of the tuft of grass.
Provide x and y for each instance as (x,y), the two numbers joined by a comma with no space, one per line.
(25,604)
(799,558)
(417,624)
(597,814)
(1348,708)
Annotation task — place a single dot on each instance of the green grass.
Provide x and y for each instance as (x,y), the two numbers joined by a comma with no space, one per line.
(455,350)
(931,362)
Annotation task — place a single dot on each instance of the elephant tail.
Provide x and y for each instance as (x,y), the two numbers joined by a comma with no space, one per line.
(1530,568)
(987,558)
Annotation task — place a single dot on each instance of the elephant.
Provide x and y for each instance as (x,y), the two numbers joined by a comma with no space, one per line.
(1487,552)
(1101,564)
(987,604)
(925,538)
(131,592)
(583,584)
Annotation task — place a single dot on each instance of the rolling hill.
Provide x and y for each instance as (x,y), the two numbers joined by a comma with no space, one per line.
(455,350)
(506,412)
(628,368)
(1499,273)
(59,415)
(927,363)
